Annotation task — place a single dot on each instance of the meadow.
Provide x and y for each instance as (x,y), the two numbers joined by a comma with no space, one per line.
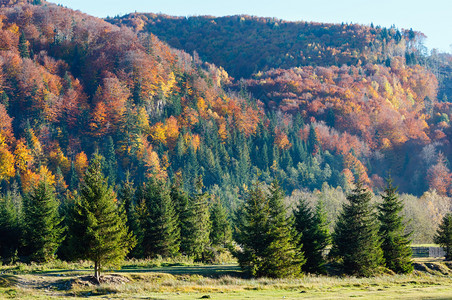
(183,279)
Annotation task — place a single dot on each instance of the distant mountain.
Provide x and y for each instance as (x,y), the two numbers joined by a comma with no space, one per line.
(374,83)
(244,45)
(327,103)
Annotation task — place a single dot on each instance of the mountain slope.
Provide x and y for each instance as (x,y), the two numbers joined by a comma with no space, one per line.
(370,83)
(244,45)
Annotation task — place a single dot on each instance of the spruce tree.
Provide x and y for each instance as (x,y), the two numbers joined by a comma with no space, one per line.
(252,231)
(98,230)
(43,225)
(73,178)
(283,254)
(198,223)
(220,233)
(158,221)
(269,245)
(10,227)
(23,46)
(444,235)
(126,197)
(181,204)
(395,244)
(356,245)
(314,235)
(111,164)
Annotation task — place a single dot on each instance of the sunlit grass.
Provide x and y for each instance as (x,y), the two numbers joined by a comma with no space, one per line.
(184,279)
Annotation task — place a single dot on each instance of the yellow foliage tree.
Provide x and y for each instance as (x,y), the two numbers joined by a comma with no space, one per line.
(7,169)
(81,163)
(23,156)
(158,133)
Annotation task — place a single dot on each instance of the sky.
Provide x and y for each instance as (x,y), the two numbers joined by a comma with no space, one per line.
(432,17)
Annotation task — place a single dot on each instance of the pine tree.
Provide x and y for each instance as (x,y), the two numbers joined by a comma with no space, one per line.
(198,224)
(126,197)
(181,204)
(313,141)
(43,225)
(314,235)
(158,219)
(220,233)
(23,46)
(73,178)
(10,227)
(265,233)
(444,235)
(98,230)
(111,164)
(356,244)
(283,254)
(252,231)
(395,245)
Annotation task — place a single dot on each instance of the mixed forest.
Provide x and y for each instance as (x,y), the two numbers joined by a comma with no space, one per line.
(191,129)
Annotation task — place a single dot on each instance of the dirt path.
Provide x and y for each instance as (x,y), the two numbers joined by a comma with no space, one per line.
(47,284)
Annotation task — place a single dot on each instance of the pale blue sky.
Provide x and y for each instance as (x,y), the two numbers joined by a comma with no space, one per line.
(432,17)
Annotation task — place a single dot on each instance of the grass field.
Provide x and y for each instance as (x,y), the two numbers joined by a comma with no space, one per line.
(160,280)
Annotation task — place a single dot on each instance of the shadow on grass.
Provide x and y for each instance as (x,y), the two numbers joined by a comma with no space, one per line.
(7,281)
(213,271)
(205,270)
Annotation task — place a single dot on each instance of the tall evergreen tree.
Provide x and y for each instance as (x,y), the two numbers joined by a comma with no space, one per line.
(73,178)
(444,235)
(283,254)
(220,233)
(43,225)
(313,141)
(111,164)
(269,244)
(98,230)
(314,235)
(396,244)
(10,227)
(126,197)
(23,46)
(181,204)
(158,221)
(198,223)
(356,244)
(252,231)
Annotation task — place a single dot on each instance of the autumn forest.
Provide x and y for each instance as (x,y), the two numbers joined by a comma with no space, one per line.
(207,107)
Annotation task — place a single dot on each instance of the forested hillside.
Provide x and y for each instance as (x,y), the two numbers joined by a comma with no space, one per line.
(371,93)
(113,143)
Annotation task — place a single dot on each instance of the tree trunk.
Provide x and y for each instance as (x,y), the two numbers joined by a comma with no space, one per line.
(97,271)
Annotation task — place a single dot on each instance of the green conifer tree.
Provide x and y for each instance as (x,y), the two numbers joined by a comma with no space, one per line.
(252,231)
(396,244)
(356,245)
(73,178)
(98,230)
(220,233)
(10,227)
(313,141)
(444,235)
(43,225)
(266,236)
(126,197)
(284,257)
(158,219)
(181,204)
(314,235)
(198,223)
(111,164)
(23,46)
